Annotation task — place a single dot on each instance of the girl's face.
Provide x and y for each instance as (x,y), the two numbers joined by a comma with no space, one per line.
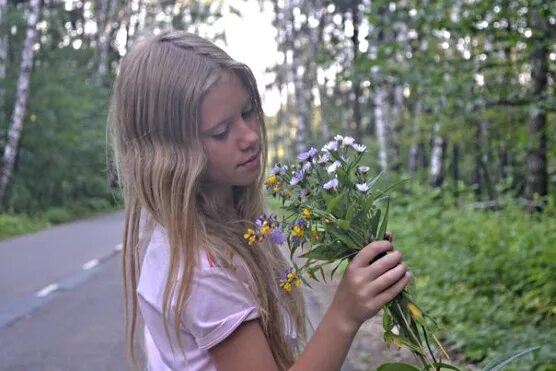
(230,132)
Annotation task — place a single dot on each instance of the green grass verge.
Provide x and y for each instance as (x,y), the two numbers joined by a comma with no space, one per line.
(487,277)
(13,225)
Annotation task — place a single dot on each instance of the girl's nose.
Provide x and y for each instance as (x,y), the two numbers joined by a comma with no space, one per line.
(249,135)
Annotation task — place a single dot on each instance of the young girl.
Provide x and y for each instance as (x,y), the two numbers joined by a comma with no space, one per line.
(190,146)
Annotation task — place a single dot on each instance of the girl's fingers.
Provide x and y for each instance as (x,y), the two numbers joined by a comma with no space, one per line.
(390,293)
(384,264)
(389,278)
(389,236)
(369,252)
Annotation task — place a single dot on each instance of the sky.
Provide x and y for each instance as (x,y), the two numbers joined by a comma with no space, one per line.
(251,40)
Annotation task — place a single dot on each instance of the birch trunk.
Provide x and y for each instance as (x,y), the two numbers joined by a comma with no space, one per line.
(104,42)
(356,83)
(380,126)
(301,112)
(437,158)
(3,58)
(393,128)
(536,170)
(16,124)
(416,147)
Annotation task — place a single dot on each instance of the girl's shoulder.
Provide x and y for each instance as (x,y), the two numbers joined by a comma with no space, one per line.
(158,252)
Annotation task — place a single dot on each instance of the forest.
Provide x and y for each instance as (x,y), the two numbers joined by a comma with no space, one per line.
(456,98)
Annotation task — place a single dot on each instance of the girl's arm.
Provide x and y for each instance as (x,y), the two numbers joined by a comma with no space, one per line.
(362,292)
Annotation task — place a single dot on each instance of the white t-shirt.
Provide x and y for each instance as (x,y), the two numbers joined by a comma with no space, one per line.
(217,305)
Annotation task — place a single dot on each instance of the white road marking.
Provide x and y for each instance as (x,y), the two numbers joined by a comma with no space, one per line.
(47,289)
(90,264)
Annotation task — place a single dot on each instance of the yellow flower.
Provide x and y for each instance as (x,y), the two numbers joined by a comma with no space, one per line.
(291,276)
(271,180)
(307,214)
(298,231)
(286,194)
(250,236)
(315,235)
(277,187)
(414,311)
(287,287)
(266,229)
(298,282)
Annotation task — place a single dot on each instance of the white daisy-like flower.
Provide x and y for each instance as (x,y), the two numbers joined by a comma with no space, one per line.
(332,168)
(330,146)
(363,169)
(359,147)
(339,138)
(363,187)
(331,184)
(325,157)
(348,141)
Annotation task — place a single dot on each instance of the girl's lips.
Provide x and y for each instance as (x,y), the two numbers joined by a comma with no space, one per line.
(250,160)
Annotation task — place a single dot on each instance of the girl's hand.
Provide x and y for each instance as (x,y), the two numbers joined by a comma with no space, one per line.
(365,288)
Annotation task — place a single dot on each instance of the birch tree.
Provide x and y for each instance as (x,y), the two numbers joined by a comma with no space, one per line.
(16,123)
(3,57)
(105,32)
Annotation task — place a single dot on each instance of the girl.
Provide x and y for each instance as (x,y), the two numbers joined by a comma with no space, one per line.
(190,146)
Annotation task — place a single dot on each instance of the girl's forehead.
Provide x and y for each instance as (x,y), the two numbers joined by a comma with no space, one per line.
(224,100)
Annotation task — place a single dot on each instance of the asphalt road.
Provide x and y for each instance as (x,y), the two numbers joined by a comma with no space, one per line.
(61,303)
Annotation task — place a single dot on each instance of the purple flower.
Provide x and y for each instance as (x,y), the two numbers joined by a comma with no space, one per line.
(279,170)
(277,237)
(331,184)
(301,223)
(304,156)
(303,193)
(297,177)
(306,167)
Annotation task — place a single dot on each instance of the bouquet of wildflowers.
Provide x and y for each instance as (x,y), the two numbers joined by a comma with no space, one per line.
(333,208)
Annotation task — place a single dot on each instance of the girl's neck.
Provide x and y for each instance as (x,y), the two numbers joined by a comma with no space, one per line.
(222,196)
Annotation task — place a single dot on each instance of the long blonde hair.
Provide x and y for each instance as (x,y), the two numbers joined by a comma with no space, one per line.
(154,126)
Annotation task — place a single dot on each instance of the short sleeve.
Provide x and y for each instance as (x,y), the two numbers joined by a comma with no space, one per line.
(217,305)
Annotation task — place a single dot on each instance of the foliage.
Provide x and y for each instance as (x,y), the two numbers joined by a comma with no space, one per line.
(488,277)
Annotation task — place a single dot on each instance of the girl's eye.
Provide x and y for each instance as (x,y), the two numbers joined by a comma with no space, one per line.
(247,114)
(222,135)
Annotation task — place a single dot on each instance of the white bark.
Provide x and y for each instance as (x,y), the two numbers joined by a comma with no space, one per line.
(380,126)
(104,41)
(415,145)
(437,158)
(301,109)
(3,57)
(16,124)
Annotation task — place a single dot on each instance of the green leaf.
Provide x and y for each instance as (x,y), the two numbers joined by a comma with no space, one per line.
(500,362)
(445,366)
(391,338)
(375,219)
(397,366)
(344,224)
(382,229)
(387,321)
(332,204)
